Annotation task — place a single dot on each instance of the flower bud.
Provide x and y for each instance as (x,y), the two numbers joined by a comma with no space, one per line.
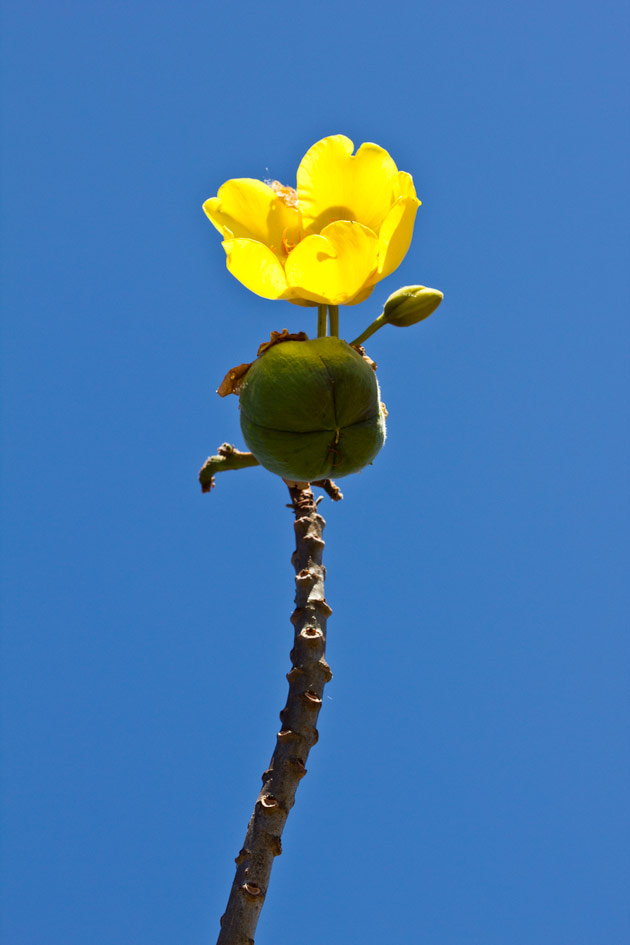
(311,410)
(411,304)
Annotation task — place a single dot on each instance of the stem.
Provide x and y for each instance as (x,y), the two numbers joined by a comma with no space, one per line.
(370,330)
(333,311)
(228,457)
(298,733)
(330,488)
(321,321)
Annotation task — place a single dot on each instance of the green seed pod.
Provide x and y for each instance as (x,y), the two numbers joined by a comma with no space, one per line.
(311,410)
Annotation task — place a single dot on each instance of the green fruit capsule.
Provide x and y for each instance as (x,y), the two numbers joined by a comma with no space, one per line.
(311,410)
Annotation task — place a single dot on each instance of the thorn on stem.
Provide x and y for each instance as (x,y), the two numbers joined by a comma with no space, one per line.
(305,576)
(312,697)
(251,890)
(326,670)
(325,606)
(299,764)
(269,802)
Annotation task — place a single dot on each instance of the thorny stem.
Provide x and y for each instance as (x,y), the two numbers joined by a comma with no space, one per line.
(297,734)
(321,321)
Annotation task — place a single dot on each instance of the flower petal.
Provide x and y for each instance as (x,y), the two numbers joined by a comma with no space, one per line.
(335,185)
(395,234)
(404,185)
(334,266)
(256,266)
(362,296)
(248,209)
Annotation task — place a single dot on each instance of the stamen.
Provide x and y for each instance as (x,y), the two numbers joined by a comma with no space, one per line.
(290,239)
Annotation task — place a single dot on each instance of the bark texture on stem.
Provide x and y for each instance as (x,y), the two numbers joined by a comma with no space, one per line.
(298,733)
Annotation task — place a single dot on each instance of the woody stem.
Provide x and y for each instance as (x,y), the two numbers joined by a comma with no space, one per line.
(298,733)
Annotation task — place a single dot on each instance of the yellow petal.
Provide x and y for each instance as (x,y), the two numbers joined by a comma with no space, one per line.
(248,209)
(335,266)
(395,234)
(334,185)
(404,185)
(256,266)
(362,296)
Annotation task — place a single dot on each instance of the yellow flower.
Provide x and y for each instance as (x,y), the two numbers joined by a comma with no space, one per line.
(346,227)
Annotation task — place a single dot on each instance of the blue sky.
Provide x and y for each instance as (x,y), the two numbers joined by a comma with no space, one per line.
(471,780)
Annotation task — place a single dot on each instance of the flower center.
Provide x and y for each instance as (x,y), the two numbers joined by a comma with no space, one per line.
(291,235)
(290,238)
(288,194)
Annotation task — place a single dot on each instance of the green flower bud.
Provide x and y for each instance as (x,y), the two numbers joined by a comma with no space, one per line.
(411,304)
(311,410)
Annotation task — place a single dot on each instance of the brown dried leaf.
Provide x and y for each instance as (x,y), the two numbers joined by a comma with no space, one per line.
(365,357)
(232,381)
(278,336)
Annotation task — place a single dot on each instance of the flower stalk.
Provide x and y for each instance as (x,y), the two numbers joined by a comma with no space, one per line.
(370,330)
(333,315)
(405,307)
(298,733)
(322,318)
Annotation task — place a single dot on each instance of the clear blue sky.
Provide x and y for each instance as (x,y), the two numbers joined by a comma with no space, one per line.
(470,784)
